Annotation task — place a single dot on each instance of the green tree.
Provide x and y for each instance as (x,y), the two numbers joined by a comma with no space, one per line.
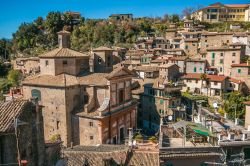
(14,77)
(53,24)
(175,18)
(235,101)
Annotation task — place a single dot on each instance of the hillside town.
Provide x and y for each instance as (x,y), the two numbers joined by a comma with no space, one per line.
(179,98)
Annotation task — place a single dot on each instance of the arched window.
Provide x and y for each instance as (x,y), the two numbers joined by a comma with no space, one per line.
(36,94)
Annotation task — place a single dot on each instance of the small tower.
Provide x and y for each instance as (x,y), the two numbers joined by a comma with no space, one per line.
(64,39)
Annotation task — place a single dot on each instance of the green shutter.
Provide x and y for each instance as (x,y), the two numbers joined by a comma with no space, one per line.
(161,101)
(195,69)
(239,70)
(36,94)
(213,55)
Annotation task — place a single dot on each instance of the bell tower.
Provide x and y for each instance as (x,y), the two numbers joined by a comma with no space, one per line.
(64,39)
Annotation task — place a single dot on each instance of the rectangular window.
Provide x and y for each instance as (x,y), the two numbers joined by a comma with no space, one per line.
(212,64)
(65,62)
(57,125)
(213,55)
(215,83)
(99,60)
(91,124)
(221,54)
(121,95)
(91,137)
(221,61)
(234,54)
(46,63)
(239,70)
(186,47)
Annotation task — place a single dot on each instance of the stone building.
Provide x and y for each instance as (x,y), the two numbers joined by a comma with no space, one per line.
(101,60)
(20,126)
(241,72)
(219,12)
(147,71)
(67,89)
(26,65)
(223,58)
(180,61)
(190,46)
(121,17)
(158,98)
(247,115)
(109,110)
(213,85)
(170,72)
(196,65)
(215,39)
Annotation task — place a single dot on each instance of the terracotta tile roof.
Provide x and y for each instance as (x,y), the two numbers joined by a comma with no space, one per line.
(191,40)
(240,65)
(98,79)
(237,5)
(209,33)
(9,111)
(181,58)
(61,80)
(240,35)
(103,48)
(66,80)
(222,49)
(147,68)
(247,102)
(117,70)
(196,60)
(235,80)
(168,65)
(63,53)
(215,78)
(130,62)
(225,33)
(174,50)
(135,53)
(159,60)
(237,44)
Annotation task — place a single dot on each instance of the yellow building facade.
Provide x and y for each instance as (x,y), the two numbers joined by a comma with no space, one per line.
(223,12)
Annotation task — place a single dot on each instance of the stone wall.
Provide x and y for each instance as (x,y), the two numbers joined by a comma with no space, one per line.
(56,111)
(47,66)
(30,141)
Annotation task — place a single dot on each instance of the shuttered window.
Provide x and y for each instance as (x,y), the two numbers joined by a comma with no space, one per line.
(36,94)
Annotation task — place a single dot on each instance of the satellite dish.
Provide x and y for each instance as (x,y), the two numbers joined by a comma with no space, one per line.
(215,105)
(170,118)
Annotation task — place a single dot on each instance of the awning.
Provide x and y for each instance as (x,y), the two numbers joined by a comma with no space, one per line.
(202,132)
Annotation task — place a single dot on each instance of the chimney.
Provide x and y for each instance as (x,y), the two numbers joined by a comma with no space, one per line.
(64,39)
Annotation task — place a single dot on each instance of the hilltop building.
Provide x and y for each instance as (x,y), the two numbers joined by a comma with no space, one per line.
(121,17)
(219,12)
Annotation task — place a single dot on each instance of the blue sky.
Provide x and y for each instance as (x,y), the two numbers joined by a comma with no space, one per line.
(14,12)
